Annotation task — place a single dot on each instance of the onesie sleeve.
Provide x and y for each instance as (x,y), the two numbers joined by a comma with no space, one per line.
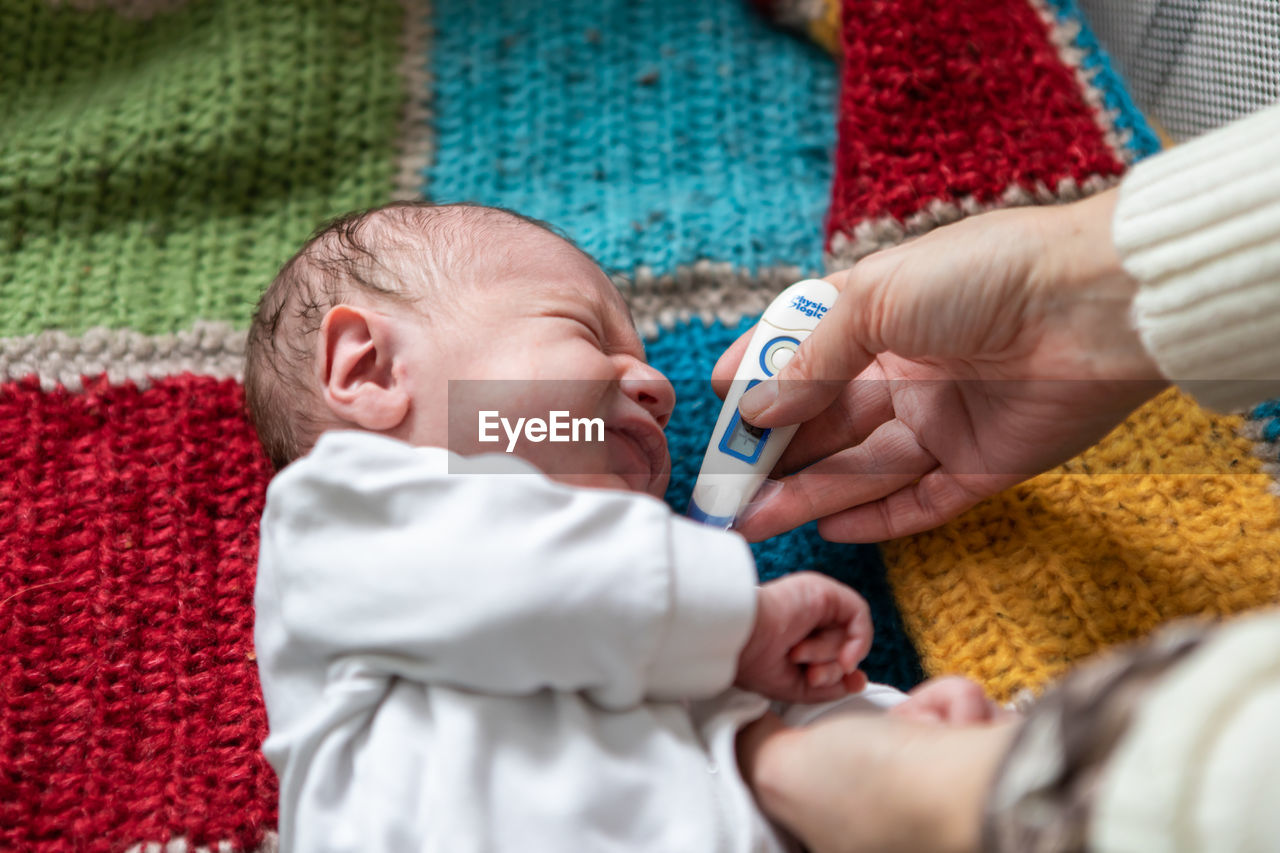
(1199,227)
(483,574)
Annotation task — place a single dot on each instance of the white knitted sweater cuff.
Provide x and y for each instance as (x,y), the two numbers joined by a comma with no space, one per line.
(1196,768)
(1199,227)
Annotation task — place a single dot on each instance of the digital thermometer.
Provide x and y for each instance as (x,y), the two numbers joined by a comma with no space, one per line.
(739,455)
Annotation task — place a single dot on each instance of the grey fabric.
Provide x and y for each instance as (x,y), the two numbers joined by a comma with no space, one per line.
(1042,797)
(1193,65)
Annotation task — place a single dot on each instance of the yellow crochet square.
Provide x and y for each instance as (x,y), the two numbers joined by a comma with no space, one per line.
(1096,552)
(824,28)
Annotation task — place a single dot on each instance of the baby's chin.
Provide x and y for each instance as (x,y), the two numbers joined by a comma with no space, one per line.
(627,481)
(639,467)
(622,461)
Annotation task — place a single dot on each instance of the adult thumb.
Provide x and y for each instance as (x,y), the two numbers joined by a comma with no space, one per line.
(824,363)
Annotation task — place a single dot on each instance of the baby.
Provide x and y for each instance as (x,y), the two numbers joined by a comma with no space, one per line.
(466,649)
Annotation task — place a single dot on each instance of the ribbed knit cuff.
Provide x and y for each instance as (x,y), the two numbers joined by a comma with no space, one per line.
(1199,227)
(1196,769)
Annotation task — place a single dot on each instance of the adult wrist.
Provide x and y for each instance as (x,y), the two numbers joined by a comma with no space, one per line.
(982,750)
(1086,300)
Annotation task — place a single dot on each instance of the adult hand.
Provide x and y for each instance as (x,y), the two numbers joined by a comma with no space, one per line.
(949,699)
(873,782)
(981,354)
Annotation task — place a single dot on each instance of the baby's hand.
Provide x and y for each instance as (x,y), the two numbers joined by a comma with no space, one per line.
(950,699)
(811,633)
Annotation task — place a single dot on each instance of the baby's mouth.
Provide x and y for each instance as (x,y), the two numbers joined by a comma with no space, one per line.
(644,455)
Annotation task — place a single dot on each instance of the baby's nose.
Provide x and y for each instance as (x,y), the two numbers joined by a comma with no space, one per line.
(648,387)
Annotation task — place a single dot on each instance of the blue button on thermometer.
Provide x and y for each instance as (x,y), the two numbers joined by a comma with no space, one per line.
(739,455)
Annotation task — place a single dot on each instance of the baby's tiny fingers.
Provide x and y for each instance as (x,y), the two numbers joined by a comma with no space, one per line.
(859,633)
(854,650)
(819,648)
(855,682)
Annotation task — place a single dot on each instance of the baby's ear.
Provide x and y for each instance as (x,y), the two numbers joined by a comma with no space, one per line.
(357,354)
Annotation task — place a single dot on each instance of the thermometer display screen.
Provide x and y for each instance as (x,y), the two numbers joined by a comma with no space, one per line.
(745,438)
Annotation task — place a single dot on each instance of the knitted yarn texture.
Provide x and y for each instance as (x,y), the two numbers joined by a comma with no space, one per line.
(1170,515)
(129,701)
(161,158)
(156,171)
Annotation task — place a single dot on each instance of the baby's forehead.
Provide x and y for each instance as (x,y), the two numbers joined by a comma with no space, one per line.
(486,244)
(552,264)
(463,248)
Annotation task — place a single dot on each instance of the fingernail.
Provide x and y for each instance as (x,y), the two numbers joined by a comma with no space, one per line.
(758,399)
(768,490)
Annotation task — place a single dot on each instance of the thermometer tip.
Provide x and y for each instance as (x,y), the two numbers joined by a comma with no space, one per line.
(724,522)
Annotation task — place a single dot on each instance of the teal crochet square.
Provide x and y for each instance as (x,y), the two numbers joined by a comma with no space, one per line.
(653,132)
(1138,135)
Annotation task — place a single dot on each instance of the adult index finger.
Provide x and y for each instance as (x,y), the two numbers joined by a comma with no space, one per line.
(889,460)
(824,363)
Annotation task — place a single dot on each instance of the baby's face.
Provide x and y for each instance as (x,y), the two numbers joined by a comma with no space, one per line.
(544,332)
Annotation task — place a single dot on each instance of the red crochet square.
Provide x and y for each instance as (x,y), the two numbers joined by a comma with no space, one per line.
(954,105)
(129,702)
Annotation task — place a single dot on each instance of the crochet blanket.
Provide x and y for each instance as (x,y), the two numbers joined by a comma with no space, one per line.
(950,109)
(160,158)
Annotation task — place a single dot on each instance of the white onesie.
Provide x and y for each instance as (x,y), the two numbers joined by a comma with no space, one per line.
(497,661)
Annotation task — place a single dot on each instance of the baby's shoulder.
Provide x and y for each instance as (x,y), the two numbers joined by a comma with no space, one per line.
(355,451)
(336,448)
(351,461)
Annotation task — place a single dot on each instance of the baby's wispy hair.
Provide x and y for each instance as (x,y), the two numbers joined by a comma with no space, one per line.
(403,253)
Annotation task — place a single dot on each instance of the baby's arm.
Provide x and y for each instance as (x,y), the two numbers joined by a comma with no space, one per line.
(382,560)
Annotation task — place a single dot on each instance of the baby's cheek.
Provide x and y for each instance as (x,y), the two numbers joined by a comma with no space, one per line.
(579,464)
(623,459)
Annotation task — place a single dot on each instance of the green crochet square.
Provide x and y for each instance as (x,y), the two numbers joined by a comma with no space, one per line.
(155,172)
